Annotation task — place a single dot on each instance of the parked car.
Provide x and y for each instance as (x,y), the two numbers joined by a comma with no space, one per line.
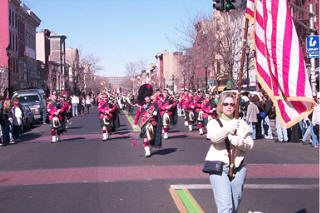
(28,117)
(33,99)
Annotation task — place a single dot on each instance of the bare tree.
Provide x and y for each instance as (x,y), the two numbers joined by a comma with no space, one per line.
(213,43)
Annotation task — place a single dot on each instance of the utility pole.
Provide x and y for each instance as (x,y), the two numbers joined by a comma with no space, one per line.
(8,49)
(312,60)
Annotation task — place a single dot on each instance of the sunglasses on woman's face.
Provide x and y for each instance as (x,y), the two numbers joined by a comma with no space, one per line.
(228,104)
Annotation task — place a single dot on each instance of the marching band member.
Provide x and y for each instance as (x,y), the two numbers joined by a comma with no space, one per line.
(189,110)
(182,105)
(150,121)
(209,109)
(167,107)
(198,110)
(56,117)
(106,110)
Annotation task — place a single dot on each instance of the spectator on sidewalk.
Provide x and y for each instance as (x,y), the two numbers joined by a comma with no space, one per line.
(17,116)
(88,103)
(281,132)
(265,123)
(44,109)
(74,103)
(315,124)
(251,118)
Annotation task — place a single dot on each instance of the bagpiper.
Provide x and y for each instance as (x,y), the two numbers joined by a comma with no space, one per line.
(198,110)
(168,112)
(56,117)
(183,105)
(190,110)
(106,109)
(209,108)
(150,119)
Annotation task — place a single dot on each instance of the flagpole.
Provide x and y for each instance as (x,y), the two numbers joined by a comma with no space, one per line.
(244,44)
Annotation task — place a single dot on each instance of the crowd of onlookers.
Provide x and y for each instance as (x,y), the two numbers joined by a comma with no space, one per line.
(258,111)
(11,120)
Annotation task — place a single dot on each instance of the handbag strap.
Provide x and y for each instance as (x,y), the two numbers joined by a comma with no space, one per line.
(226,140)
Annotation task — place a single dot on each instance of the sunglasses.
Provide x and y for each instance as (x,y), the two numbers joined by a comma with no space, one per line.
(228,104)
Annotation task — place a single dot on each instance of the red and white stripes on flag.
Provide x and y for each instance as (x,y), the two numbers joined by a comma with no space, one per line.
(279,61)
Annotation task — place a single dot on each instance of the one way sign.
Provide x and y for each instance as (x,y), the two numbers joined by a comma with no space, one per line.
(312,44)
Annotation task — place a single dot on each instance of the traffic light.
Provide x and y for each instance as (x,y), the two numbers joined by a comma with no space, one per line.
(227,5)
(218,5)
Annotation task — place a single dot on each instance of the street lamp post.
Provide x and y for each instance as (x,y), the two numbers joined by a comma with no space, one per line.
(247,54)
(8,49)
(184,80)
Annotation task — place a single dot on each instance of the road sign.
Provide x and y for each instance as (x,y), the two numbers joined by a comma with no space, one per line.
(312,44)
(313,55)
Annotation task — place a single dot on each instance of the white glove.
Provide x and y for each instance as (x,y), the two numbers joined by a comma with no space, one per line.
(234,124)
(134,127)
(154,113)
(235,140)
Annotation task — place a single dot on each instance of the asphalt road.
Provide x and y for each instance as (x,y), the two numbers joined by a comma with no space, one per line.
(84,174)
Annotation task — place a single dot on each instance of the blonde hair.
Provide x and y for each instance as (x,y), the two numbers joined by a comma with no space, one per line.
(219,109)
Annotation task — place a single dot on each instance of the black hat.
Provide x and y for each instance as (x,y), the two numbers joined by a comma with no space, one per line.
(144,91)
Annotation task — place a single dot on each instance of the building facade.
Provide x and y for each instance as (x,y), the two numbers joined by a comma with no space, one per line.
(57,56)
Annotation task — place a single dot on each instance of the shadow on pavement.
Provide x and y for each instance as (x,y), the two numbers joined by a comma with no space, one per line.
(164,151)
(177,136)
(73,139)
(123,137)
(29,136)
(302,211)
(75,127)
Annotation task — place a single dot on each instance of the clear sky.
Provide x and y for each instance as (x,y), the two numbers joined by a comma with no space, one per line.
(118,31)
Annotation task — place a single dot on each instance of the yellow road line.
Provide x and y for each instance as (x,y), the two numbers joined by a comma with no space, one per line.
(177,201)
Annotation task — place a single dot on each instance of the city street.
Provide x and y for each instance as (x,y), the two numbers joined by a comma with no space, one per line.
(83,174)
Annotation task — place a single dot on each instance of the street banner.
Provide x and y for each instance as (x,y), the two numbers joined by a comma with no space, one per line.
(279,62)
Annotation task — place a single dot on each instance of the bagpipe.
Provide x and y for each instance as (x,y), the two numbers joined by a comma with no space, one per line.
(55,119)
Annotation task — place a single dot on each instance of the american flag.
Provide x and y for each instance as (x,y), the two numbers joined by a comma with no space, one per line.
(279,61)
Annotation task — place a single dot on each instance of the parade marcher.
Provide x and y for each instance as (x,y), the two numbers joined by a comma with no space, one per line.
(150,119)
(209,108)
(167,110)
(228,190)
(66,104)
(106,109)
(182,105)
(57,119)
(190,110)
(198,110)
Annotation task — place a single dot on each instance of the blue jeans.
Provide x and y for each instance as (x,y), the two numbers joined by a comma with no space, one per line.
(254,130)
(307,133)
(44,116)
(315,137)
(266,122)
(282,133)
(74,110)
(228,194)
